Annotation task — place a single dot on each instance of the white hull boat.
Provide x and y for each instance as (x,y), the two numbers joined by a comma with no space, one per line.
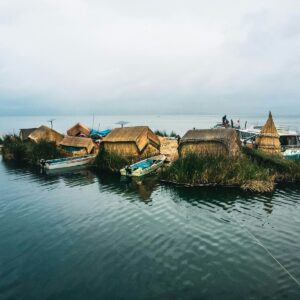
(61,163)
(292,154)
(144,167)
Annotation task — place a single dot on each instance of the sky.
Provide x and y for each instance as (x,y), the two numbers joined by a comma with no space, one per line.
(144,57)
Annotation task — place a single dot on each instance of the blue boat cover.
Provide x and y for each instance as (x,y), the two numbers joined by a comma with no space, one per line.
(101,133)
(144,164)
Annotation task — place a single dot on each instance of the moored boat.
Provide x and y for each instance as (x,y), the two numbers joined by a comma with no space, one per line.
(68,162)
(292,154)
(144,167)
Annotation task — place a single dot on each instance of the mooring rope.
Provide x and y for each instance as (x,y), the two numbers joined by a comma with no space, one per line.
(268,251)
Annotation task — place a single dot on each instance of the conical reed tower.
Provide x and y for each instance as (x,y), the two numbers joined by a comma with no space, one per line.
(268,139)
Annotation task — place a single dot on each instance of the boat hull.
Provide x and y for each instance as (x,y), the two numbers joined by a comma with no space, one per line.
(292,154)
(138,172)
(68,162)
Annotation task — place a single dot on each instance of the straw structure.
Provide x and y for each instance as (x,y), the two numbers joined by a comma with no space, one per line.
(78,129)
(139,141)
(268,139)
(47,134)
(223,142)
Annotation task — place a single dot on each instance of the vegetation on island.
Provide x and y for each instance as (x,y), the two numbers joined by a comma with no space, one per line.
(110,161)
(163,133)
(196,170)
(28,152)
(284,170)
(253,170)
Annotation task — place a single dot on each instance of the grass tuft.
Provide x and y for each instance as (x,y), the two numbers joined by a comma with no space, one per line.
(15,149)
(110,161)
(195,169)
(163,133)
(42,149)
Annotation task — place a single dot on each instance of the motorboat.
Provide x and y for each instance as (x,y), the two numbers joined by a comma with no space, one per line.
(144,167)
(60,163)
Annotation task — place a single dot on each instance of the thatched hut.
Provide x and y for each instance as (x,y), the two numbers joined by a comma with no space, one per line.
(268,139)
(77,145)
(24,133)
(132,142)
(210,142)
(47,134)
(79,130)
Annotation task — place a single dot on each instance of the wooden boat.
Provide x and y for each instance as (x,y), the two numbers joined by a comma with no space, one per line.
(68,162)
(144,167)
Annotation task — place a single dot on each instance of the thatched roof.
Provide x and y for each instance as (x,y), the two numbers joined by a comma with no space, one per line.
(78,142)
(78,129)
(46,133)
(226,136)
(140,135)
(269,129)
(24,133)
(268,139)
(204,135)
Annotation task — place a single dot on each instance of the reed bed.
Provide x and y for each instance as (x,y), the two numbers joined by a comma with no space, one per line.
(28,152)
(196,170)
(110,161)
(163,133)
(42,149)
(284,170)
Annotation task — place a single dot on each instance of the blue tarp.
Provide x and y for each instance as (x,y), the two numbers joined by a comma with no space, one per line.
(100,133)
(72,149)
(144,164)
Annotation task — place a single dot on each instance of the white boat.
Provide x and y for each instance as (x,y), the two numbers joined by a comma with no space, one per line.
(292,154)
(289,139)
(249,135)
(144,167)
(68,162)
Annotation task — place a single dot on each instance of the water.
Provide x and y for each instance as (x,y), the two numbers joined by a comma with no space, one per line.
(179,123)
(93,236)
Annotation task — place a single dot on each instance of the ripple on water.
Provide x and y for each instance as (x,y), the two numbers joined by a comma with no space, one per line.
(101,236)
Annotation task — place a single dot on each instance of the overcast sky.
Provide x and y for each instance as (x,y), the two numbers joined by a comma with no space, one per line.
(158,56)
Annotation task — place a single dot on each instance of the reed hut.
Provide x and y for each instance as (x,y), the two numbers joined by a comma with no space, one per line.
(210,142)
(79,130)
(268,139)
(132,142)
(24,133)
(77,145)
(47,134)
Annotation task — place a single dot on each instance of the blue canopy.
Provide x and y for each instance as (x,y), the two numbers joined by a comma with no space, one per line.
(102,133)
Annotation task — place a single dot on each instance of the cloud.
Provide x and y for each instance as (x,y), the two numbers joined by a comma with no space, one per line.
(148,56)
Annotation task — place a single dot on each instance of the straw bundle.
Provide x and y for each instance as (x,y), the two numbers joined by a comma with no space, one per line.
(268,139)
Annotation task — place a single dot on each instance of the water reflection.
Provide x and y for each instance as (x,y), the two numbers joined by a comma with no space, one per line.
(144,234)
(142,188)
(76,176)
(131,187)
(71,176)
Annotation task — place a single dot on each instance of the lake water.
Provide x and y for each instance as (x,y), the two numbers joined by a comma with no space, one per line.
(86,235)
(179,123)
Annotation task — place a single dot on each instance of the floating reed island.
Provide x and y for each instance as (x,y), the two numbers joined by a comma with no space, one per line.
(202,157)
(34,144)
